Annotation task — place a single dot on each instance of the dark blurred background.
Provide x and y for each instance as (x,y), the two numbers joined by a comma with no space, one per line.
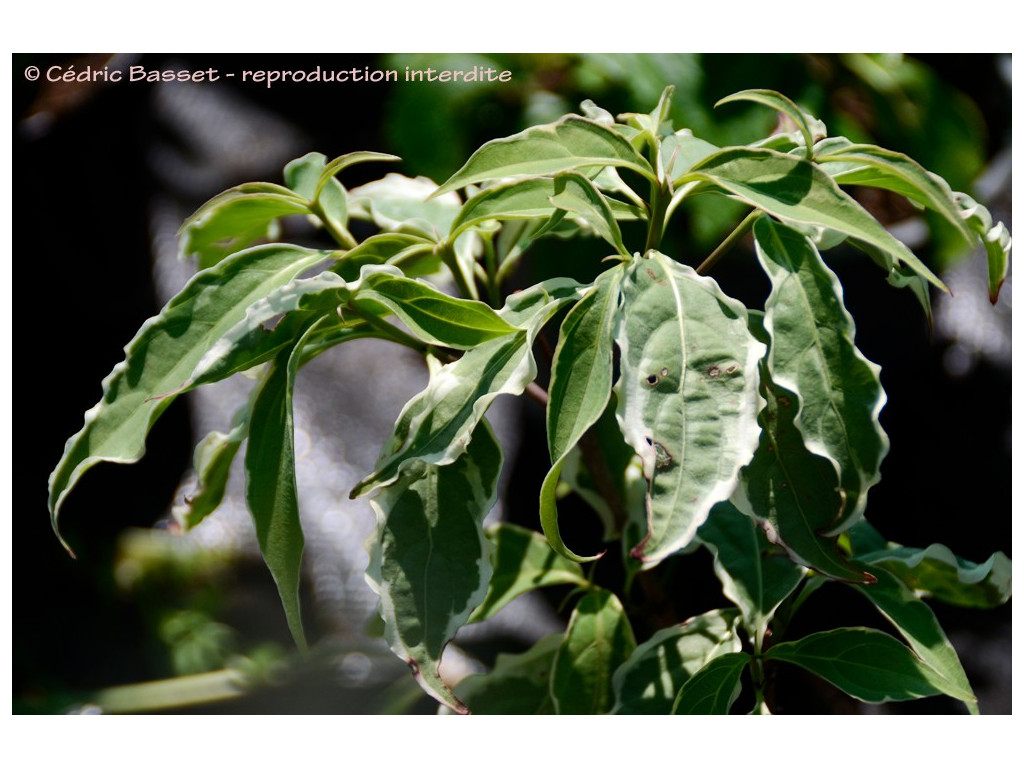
(100,167)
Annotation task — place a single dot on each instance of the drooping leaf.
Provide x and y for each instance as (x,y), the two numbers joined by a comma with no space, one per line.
(163,355)
(270,488)
(793,492)
(753,577)
(519,684)
(813,355)
(939,573)
(429,560)
(918,625)
(687,395)
(996,240)
(715,687)
(798,192)
(868,165)
(647,684)
(577,195)
(572,142)
(598,639)
(435,425)
(581,384)
(782,104)
(235,219)
(863,663)
(522,562)
(212,459)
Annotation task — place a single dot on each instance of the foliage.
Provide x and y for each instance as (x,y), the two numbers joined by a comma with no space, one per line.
(684,417)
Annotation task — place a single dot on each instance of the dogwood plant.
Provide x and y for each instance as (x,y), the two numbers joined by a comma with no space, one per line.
(683,417)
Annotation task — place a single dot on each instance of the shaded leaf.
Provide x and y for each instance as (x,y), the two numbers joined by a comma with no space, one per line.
(581,384)
(303,176)
(715,687)
(429,559)
(687,395)
(863,663)
(647,684)
(163,355)
(682,150)
(270,488)
(598,639)
(798,192)
(918,625)
(996,240)
(522,562)
(813,355)
(399,203)
(793,492)
(519,684)
(753,577)
(572,142)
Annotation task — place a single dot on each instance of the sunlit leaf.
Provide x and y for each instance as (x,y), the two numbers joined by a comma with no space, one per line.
(429,560)
(995,238)
(577,195)
(812,130)
(687,395)
(435,426)
(163,355)
(813,355)
(798,192)
(572,142)
(598,639)
(581,384)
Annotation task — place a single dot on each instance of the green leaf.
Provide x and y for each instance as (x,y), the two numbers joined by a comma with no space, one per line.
(648,682)
(598,639)
(863,663)
(785,106)
(753,577)
(435,426)
(163,355)
(868,165)
(792,492)
(687,395)
(399,203)
(519,684)
(572,142)
(212,458)
(338,164)
(996,240)
(235,219)
(412,253)
(581,385)
(429,559)
(813,356)
(303,177)
(522,199)
(682,150)
(270,488)
(917,623)
(798,192)
(433,316)
(937,572)
(576,194)
(522,562)
(714,689)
